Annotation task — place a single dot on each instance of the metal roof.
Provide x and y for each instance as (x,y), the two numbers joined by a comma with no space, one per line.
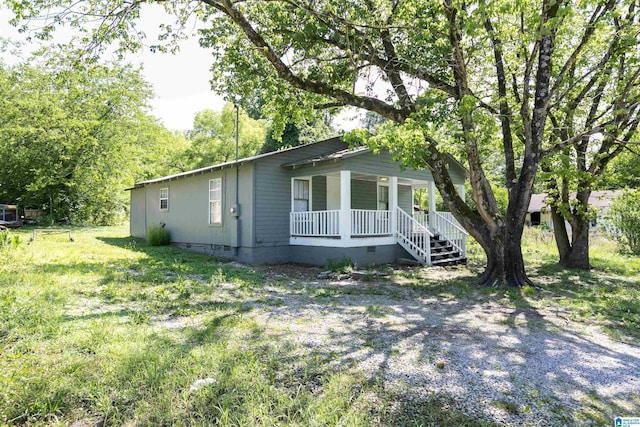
(598,199)
(222,165)
(341,154)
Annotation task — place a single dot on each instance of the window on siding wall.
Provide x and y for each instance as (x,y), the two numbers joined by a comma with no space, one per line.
(164,199)
(215,201)
(300,195)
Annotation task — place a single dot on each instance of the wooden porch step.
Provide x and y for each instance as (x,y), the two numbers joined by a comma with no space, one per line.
(449,261)
(440,254)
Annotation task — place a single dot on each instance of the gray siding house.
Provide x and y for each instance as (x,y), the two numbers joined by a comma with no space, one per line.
(312,204)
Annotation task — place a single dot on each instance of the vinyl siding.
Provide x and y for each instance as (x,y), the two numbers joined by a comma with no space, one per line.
(364,195)
(383,165)
(137,224)
(188,215)
(273,190)
(404,198)
(319,193)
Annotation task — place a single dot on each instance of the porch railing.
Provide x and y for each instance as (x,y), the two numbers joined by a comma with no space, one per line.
(413,236)
(315,223)
(444,224)
(366,222)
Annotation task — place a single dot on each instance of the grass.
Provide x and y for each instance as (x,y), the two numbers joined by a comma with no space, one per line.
(108,329)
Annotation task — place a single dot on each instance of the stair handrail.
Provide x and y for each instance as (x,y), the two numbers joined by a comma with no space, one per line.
(406,223)
(453,232)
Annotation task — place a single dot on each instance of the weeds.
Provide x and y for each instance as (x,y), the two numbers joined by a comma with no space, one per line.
(158,235)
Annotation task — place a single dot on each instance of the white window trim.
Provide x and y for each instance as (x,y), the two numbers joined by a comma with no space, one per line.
(164,198)
(302,178)
(383,184)
(217,224)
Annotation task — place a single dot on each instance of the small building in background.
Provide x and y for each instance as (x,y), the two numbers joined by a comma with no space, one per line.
(9,216)
(599,201)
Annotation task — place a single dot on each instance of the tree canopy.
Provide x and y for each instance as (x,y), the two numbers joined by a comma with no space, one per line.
(213,137)
(449,76)
(72,137)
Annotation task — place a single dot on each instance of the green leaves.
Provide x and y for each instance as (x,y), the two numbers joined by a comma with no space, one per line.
(73,137)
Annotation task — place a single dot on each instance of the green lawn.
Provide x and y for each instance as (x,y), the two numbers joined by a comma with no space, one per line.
(106,329)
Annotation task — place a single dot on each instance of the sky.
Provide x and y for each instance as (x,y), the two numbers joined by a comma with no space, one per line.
(180,81)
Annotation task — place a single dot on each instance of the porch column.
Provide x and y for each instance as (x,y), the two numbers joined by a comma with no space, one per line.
(393,202)
(432,202)
(345,205)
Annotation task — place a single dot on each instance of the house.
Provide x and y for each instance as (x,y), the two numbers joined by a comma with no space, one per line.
(9,216)
(600,201)
(311,204)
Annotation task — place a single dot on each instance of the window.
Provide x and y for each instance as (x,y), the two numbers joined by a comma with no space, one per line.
(383,197)
(300,195)
(215,201)
(164,199)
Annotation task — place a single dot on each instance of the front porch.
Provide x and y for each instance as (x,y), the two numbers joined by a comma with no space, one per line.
(346,209)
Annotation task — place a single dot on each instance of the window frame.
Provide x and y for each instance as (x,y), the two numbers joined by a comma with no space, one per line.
(378,200)
(212,201)
(165,198)
(309,200)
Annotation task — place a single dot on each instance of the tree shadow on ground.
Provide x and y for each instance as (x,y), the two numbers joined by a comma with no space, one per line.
(430,342)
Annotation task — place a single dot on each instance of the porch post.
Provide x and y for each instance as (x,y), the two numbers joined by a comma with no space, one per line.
(345,205)
(393,202)
(432,203)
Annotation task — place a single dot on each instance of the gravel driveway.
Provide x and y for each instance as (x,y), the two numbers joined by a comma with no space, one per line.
(512,364)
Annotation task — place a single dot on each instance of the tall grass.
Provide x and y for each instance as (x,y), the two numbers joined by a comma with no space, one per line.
(110,330)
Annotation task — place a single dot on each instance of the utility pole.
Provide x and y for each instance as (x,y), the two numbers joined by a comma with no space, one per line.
(236,207)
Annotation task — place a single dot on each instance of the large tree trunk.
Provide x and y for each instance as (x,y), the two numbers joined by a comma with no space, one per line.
(500,239)
(505,264)
(574,252)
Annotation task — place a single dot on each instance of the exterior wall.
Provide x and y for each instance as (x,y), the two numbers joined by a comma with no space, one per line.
(383,165)
(333,192)
(137,213)
(319,193)
(405,198)
(187,217)
(364,195)
(273,191)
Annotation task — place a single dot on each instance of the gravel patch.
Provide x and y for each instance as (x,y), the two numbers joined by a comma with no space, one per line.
(510,365)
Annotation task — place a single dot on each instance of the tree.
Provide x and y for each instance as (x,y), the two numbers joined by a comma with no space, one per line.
(214,134)
(72,137)
(623,171)
(295,134)
(577,168)
(450,77)
(625,213)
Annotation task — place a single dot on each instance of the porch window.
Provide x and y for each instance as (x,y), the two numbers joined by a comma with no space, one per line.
(215,201)
(164,199)
(301,195)
(383,197)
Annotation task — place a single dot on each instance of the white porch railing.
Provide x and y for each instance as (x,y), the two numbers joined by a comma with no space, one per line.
(446,226)
(315,223)
(413,236)
(366,222)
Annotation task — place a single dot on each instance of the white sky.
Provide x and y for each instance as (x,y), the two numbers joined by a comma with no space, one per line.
(180,81)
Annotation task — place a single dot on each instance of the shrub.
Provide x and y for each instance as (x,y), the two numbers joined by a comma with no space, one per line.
(345,265)
(625,216)
(158,235)
(8,241)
